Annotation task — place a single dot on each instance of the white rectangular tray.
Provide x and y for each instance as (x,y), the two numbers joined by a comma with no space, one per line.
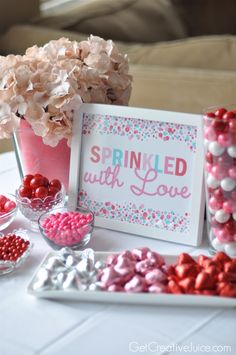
(133,298)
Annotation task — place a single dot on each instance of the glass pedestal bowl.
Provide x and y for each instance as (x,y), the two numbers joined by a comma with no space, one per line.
(33,208)
(74,237)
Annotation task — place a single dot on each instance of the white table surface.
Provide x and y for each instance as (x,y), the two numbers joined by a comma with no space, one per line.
(38,326)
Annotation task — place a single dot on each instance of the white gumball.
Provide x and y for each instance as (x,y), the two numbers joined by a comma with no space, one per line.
(228,184)
(232,151)
(215,149)
(221,216)
(211,210)
(217,245)
(234,216)
(206,143)
(230,249)
(212,182)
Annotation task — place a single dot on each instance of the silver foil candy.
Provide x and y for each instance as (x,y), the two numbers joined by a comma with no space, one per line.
(69,270)
(54,263)
(43,281)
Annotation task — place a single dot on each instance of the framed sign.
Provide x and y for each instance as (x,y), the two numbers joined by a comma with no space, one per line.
(140,171)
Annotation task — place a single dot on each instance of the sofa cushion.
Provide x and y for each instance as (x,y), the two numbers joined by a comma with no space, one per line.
(180,89)
(205,52)
(124,20)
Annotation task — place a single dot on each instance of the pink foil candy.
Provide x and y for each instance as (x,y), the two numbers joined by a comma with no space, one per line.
(144,266)
(157,288)
(155,258)
(155,276)
(110,276)
(124,263)
(115,288)
(140,253)
(127,254)
(111,259)
(136,284)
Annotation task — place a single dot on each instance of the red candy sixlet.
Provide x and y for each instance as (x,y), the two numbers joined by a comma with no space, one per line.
(12,247)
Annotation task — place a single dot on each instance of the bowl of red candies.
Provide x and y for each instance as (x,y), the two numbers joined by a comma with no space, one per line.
(63,227)
(15,247)
(8,210)
(37,194)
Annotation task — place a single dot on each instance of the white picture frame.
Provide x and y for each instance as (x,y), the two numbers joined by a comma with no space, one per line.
(168,147)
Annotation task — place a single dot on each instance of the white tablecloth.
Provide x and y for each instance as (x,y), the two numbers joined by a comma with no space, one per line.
(33,326)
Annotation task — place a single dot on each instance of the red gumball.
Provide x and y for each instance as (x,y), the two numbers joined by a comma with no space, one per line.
(219,113)
(36,182)
(219,125)
(41,192)
(228,115)
(25,191)
(52,191)
(210,115)
(45,182)
(232,125)
(55,183)
(27,179)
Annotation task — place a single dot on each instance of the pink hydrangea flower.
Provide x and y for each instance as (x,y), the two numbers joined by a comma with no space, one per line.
(48,83)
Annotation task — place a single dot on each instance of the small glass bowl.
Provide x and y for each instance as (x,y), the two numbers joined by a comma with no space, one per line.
(33,208)
(7,266)
(7,218)
(75,238)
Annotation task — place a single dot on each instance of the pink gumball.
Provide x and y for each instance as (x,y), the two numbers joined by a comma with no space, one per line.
(218,172)
(225,139)
(232,172)
(9,206)
(229,206)
(215,204)
(210,134)
(208,167)
(224,236)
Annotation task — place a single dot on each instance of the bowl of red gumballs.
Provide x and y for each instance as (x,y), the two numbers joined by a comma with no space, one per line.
(8,210)
(37,194)
(15,247)
(63,227)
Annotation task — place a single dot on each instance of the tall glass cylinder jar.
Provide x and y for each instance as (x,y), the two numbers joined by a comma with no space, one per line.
(33,156)
(220,177)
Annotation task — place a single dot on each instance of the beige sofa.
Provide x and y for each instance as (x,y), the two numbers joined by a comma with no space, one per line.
(172,68)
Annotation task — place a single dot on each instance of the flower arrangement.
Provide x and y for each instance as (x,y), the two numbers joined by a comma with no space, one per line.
(48,83)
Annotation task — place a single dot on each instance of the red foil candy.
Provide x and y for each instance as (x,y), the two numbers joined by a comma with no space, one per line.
(143,270)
